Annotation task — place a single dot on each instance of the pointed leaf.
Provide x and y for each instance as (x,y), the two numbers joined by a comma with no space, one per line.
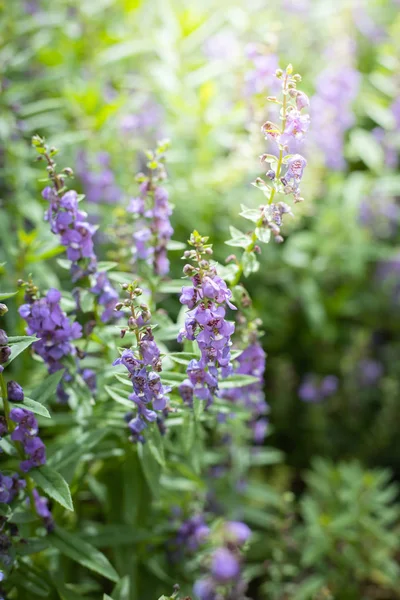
(83,553)
(53,484)
(48,388)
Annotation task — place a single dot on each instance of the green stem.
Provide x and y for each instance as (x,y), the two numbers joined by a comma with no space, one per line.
(6,404)
(260,221)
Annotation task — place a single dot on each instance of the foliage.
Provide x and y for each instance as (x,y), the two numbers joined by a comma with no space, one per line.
(134,451)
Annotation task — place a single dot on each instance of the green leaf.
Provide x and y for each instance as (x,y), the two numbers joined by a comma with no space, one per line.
(252,214)
(53,484)
(83,553)
(106,265)
(239,239)
(363,145)
(198,407)
(174,245)
(122,589)
(263,234)
(86,301)
(182,358)
(250,263)
(107,597)
(155,442)
(33,406)
(47,388)
(118,396)
(5,295)
(19,346)
(237,380)
(50,253)
(171,287)
(150,467)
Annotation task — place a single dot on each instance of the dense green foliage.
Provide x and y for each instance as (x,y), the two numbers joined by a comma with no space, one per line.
(322,501)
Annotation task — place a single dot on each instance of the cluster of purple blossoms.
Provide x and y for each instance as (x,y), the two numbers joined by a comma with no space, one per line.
(26,432)
(43,511)
(106,295)
(149,394)
(252,362)
(10,486)
(48,321)
(261,78)
(149,116)
(312,390)
(224,579)
(153,229)
(71,224)
(332,115)
(205,323)
(288,137)
(191,534)
(99,183)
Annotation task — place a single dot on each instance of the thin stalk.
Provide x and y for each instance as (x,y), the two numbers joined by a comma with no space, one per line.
(260,221)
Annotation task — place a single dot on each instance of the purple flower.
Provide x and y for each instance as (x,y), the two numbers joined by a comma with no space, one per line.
(152,227)
(308,390)
(26,432)
(225,566)
(332,115)
(15,392)
(205,589)
(148,391)
(238,532)
(6,484)
(98,179)
(252,362)
(370,371)
(106,296)
(42,509)
(206,324)
(329,385)
(47,321)
(3,338)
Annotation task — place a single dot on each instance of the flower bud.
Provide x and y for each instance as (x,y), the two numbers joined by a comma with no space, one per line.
(123,332)
(5,353)
(15,392)
(132,324)
(270,174)
(118,306)
(3,309)
(302,100)
(279,239)
(3,338)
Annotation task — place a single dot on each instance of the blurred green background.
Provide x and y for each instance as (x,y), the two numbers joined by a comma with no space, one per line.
(103,80)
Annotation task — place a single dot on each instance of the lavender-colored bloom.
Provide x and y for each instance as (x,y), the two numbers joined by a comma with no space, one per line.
(152,226)
(6,484)
(308,390)
(146,118)
(225,566)
(261,78)
(26,432)
(74,231)
(148,391)
(3,338)
(106,296)
(46,319)
(191,534)
(238,532)
(312,390)
(370,371)
(252,362)
(15,392)
(98,180)
(43,511)
(205,589)
(337,87)
(206,324)
(329,385)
